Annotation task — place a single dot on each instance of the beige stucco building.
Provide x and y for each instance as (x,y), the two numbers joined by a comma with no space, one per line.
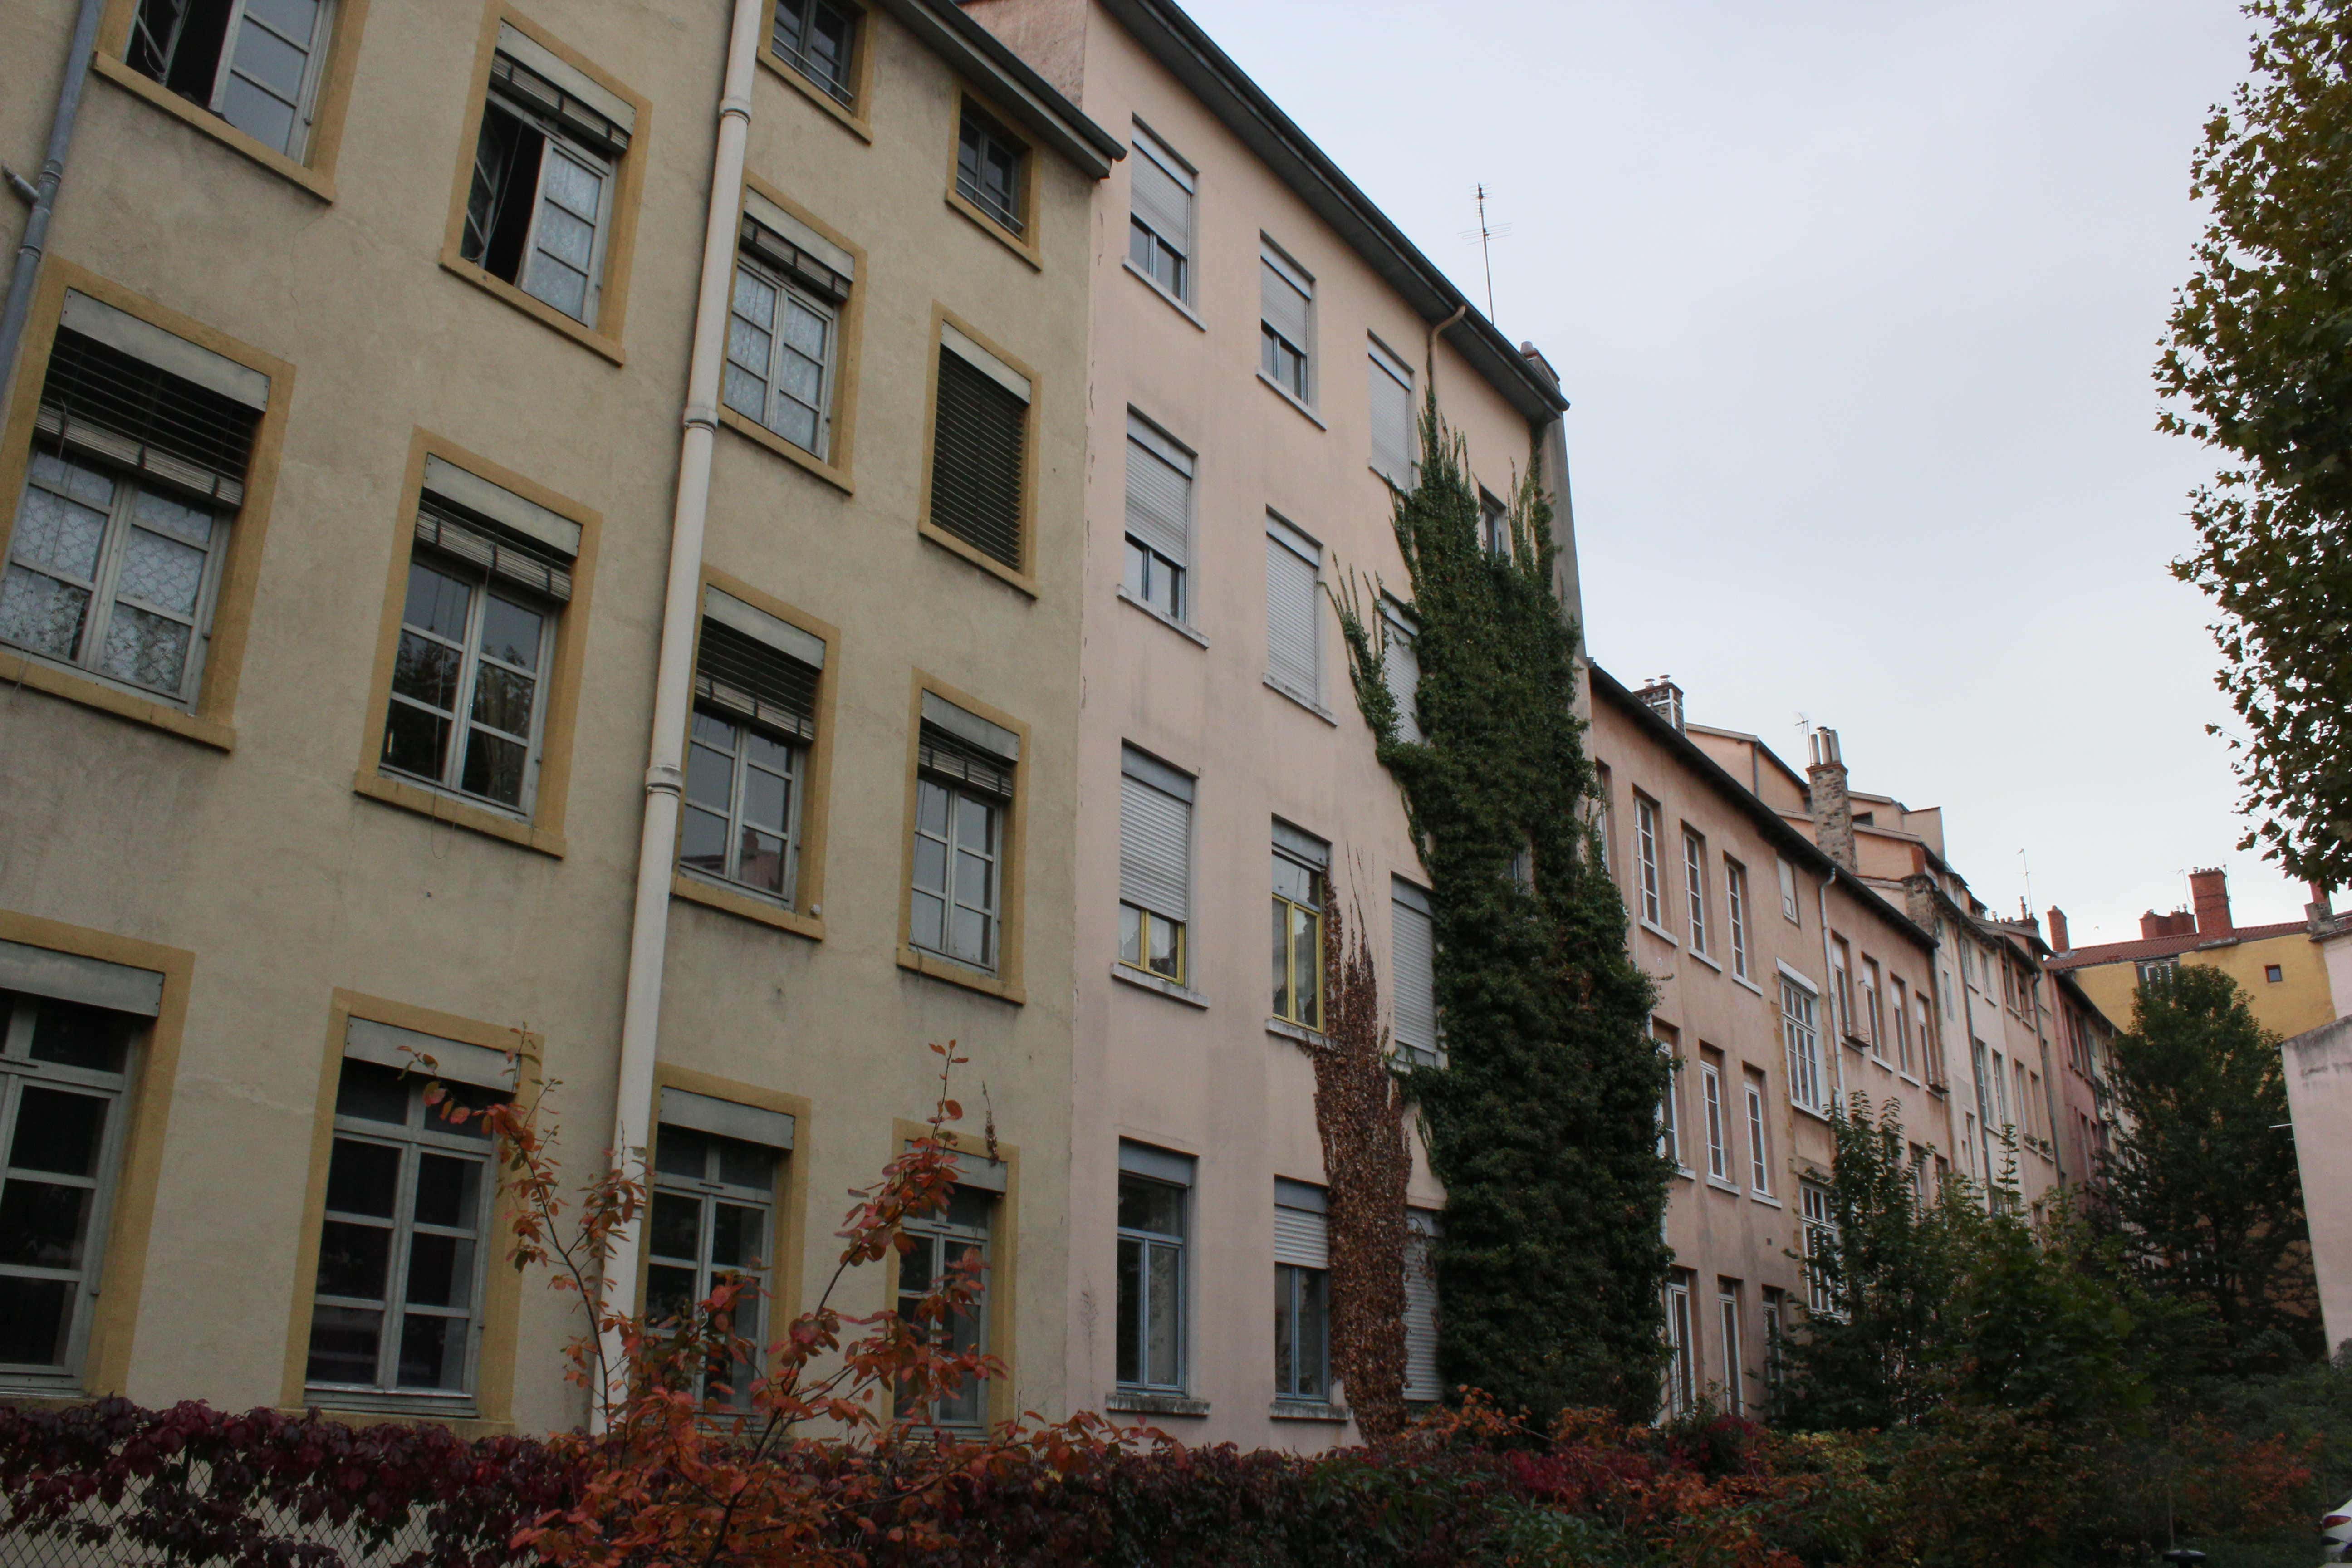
(351,544)
(2280,966)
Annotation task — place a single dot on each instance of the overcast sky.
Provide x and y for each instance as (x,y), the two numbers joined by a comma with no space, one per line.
(1856,303)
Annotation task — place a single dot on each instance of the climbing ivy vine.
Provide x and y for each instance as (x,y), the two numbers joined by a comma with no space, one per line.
(1542,1124)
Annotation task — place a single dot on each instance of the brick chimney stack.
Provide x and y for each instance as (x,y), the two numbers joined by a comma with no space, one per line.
(1665,699)
(2180,922)
(2210,888)
(2322,909)
(2058,940)
(1826,798)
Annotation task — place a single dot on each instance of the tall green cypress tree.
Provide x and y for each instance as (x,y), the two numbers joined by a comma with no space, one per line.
(1543,1124)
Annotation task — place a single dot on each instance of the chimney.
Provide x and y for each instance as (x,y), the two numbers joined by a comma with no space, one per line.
(2210,886)
(2058,939)
(2321,910)
(1826,799)
(1665,699)
(2180,922)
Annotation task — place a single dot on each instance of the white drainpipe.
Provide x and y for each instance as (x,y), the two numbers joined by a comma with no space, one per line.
(674,678)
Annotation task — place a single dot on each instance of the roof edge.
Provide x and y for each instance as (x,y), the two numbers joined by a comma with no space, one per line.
(1011,80)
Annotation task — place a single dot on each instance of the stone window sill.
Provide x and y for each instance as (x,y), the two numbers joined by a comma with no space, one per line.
(1127,974)
(1306,1410)
(1137,1402)
(1296,1033)
(1703,958)
(1307,702)
(1177,305)
(1170,622)
(1750,985)
(1720,1186)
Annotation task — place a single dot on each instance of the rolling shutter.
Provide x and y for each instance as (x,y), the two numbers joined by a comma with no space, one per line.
(977,452)
(1163,199)
(1422,1382)
(1414,964)
(121,390)
(1158,492)
(1283,303)
(1392,431)
(1290,613)
(458,531)
(745,678)
(535,76)
(1400,670)
(1155,836)
(1302,1231)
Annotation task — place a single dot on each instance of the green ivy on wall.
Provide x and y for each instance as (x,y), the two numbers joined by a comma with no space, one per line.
(1543,1125)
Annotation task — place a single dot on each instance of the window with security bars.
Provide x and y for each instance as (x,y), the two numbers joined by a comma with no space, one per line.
(539,213)
(1150,1284)
(122,531)
(1294,621)
(710,1225)
(1159,520)
(64,1071)
(1299,891)
(783,331)
(1155,865)
(1160,215)
(256,64)
(963,795)
(957,1239)
(819,40)
(747,762)
(1286,325)
(476,636)
(991,169)
(979,442)
(397,1305)
(1412,966)
(1801,1034)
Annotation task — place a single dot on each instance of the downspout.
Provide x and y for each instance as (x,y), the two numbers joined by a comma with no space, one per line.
(1829,980)
(1434,333)
(674,673)
(43,196)
(1976,1067)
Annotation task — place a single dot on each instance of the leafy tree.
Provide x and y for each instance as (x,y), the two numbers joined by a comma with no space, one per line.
(2259,364)
(2201,1190)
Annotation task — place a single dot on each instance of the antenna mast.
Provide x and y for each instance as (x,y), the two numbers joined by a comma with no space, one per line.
(1487,249)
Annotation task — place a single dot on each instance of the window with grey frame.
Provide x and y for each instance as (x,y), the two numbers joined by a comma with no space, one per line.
(1159,520)
(963,798)
(65,1078)
(979,449)
(819,39)
(783,328)
(1294,620)
(490,575)
(991,169)
(1412,936)
(755,704)
(1155,865)
(1285,324)
(962,1236)
(1395,427)
(1161,188)
(256,64)
(538,212)
(139,449)
(1302,1293)
(1422,1383)
(710,1224)
(397,1308)
(1155,1188)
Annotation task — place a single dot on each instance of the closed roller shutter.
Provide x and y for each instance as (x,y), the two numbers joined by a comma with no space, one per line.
(1400,670)
(1416,968)
(1290,619)
(1163,204)
(1421,1378)
(976,460)
(1155,835)
(1393,431)
(1301,1237)
(1284,305)
(100,400)
(735,674)
(1158,493)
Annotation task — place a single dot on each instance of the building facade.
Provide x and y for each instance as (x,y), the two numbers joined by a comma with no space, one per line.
(2280,966)
(349,550)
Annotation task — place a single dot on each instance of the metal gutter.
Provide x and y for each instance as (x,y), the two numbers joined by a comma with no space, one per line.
(1011,81)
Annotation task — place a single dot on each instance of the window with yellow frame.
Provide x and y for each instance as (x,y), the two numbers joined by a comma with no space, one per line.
(1301,862)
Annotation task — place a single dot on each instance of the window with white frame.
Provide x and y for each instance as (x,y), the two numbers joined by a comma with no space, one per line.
(1495,524)
(1155,864)
(1790,907)
(1423,1384)
(1718,1129)
(1727,1312)
(1801,1034)
(979,449)
(1694,888)
(819,39)
(1735,913)
(538,214)
(1294,621)
(1401,667)
(1645,858)
(139,449)
(1775,1366)
(1301,864)
(256,64)
(1154,1189)
(396,1310)
(783,328)
(1162,189)
(992,169)
(1394,448)
(1285,324)
(1842,1020)
(1681,1390)
(1760,1146)
(710,1224)
(1605,810)
(1302,1293)
(1414,971)
(961,1237)
(1159,519)
(1899,1003)
(65,1071)
(489,574)
(1873,1013)
(963,803)
(755,705)
(1670,1121)
(1931,1064)
(1819,1238)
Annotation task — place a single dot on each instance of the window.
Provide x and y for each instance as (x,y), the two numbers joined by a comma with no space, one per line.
(1302,1293)
(1760,1153)
(1153,1186)
(1494,524)
(959,1238)
(255,63)
(1155,864)
(1682,1392)
(979,449)
(1841,986)
(398,1307)
(712,1221)
(1727,1312)
(755,689)
(1670,1121)
(64,1071)
(1718,1134)
(1423,1384)
(1931,1060)
(1159,520)
(1394,446)
(539,213)
(1160,218)
(1873,1018)
(1285,324)
(1788,905)
(488,575)
(1412,971)
(1401,667)
(783,330)
(2273,973)
(138,467)
(1645,853)
(1735,913)
(819,40)
(991,166)
(964,795)
(1695,887)
(1800,1033)
(1774,1365)
(2157,969)
(1300,860)
(1820,1236)
(1901,1008)
(1294,621)
(1604,807)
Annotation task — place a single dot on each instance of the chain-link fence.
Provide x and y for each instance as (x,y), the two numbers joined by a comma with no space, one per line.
(314,1544)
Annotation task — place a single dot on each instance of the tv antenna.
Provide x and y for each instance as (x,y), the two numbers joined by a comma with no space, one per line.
(2026,867)
(1486,234)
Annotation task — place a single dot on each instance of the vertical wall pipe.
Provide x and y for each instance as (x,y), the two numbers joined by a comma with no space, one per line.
(28,273)
(674,678)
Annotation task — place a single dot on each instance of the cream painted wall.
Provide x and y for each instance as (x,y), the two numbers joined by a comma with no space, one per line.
(2319,1099)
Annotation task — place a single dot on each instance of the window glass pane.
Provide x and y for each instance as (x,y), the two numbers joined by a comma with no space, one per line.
(1282,1008)
(512,632)
(1165,1286)
(344,1341)
(364,1178)
(43,1224)
(1130,1310)
(73,1035)
(739,1236)
(145,650)
(59,1131)
(494,769)
(39,613)
(1145,1205)
(432,1351)
(354,1259)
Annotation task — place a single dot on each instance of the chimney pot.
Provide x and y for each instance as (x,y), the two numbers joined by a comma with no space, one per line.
(2209,887)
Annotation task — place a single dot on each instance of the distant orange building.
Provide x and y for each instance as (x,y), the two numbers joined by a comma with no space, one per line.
(2280,966)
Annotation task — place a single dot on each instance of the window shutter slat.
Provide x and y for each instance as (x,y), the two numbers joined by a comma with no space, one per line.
(1393,431)
(1400,670)
(1159,503)
(1301,1238)
(1282,304)
(1421,1377)
(976,460)
(1165,206)
(952,756)
(101,400)
(746,678)
(446,528)
(1290,652)
(1416,970)
(1155,834)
